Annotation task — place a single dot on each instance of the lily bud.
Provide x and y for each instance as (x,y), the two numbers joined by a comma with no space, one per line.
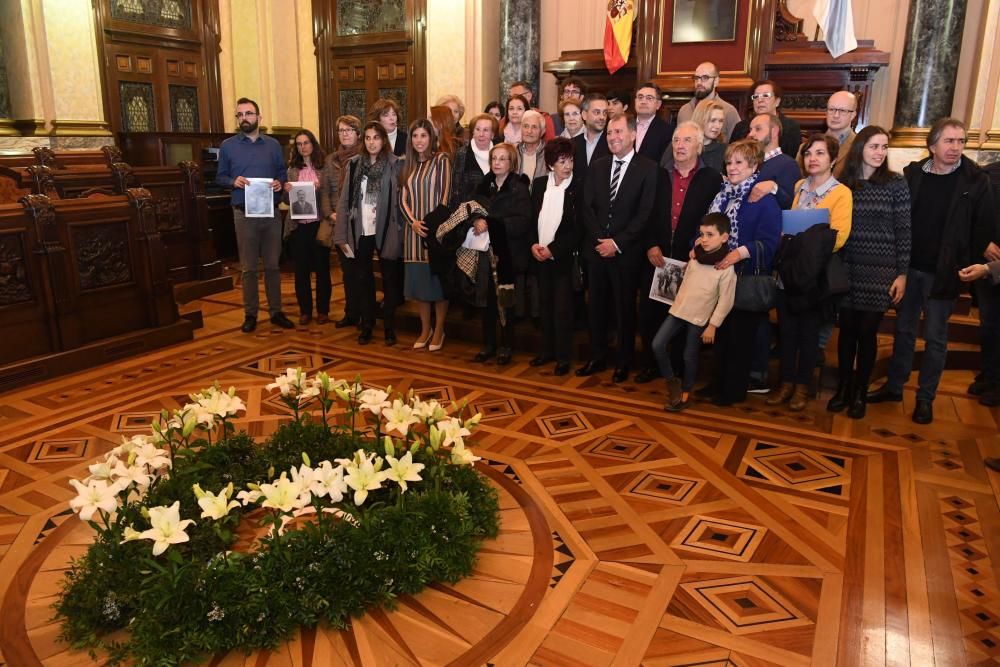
(305,459)
(198,492)
(390,450)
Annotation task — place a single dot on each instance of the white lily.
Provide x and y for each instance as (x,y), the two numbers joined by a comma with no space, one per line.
(167,527)
(399,417)
(364,474)
(250,495)
(329,481)
(134,474)
(215,505)
(428,410)
(462,456)
(289,383)
(131,534)
(221,404)
(104,470)
(129,445)
(453,432)
(97,494)
(403,470)
(283,495)
(151,456)
(373,400)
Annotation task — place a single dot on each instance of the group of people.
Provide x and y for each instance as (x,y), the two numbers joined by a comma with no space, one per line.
(519,212)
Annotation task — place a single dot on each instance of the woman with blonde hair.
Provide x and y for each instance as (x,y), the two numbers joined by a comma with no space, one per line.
(711,116)
(425,185)
(454,103)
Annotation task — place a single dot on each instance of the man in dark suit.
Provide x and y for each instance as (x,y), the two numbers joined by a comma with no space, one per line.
(386,112)
(593,143)
(766,98)
(301,206)
(683,196)
(653,134)
(617,204)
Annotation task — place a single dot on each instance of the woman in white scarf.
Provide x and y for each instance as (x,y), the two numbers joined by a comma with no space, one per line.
(556,239)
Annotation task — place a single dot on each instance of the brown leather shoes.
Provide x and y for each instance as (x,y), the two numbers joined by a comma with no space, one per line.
(800,398)
(783,394)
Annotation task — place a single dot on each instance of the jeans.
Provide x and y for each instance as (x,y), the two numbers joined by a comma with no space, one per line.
(936,313)
(799,341)
(692,346)
(989,330)
(259,237)
(310,257)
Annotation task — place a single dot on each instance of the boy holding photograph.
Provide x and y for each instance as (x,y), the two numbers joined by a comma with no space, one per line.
(704,299)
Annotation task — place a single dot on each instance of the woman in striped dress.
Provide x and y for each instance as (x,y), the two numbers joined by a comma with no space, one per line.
(877,256)
(425,184)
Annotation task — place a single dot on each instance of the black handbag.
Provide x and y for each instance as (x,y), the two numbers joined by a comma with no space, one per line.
(838,280)
(755,292)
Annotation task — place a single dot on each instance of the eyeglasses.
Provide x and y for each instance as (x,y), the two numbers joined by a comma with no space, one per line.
(704,78)
(836,111)
(571,91)
(645,98)
(345,130)
(245,114)
(761,96)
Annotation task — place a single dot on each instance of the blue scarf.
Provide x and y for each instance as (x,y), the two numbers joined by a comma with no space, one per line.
(728,201)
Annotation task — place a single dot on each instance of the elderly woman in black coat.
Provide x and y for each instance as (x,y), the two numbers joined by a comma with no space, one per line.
(555,235)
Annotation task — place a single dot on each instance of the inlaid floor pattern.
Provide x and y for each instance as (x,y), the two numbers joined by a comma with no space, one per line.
(749,536)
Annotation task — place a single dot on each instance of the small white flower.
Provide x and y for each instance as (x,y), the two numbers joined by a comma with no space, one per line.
(462,456)
(364,475)
(428,410)
(452,432)
(399,417)
(215,506)
(373,400)
(403,470)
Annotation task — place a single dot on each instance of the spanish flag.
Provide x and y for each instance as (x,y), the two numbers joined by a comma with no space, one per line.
(618,33)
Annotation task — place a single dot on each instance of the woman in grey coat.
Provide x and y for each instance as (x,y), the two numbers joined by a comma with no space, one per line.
(368,222)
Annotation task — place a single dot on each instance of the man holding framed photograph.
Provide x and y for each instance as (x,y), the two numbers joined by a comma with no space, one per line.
(245,156)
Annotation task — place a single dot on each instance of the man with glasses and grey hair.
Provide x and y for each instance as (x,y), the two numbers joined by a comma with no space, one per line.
(706,78)
(247,155)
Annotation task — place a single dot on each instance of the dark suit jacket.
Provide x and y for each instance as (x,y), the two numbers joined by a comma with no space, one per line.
(625,220)
(567,238)
(791,133)
(657,139)
(400,148)
(580,164)
(676,244)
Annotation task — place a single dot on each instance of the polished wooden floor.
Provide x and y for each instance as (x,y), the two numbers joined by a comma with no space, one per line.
(748,536)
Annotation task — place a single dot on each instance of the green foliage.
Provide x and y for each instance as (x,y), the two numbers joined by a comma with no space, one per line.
(198,598)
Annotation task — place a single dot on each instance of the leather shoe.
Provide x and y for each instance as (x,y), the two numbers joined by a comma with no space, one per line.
(706,393)
(322,318)
(305,319)
(923,413)
(503,356)
(979,387)
(484,355)
(365,336)
(885,395)
(590,368)
(390,337)
(346,321)
(540,360)
(249,324)
(282,321)
(562,368)
(992,463)
(620,375)
(646,375)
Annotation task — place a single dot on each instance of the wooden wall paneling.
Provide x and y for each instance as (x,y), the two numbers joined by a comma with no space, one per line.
(24,310)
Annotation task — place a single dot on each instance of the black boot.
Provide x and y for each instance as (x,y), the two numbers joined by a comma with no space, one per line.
(859,402)
(841,397)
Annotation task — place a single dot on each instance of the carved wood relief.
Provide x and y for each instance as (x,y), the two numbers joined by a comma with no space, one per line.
(102,254)
(14,285)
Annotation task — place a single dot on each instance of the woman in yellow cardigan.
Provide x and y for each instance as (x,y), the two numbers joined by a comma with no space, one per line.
(800,330)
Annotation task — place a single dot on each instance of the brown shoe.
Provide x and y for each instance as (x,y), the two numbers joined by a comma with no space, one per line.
(322,318)
(674,394)
(800,397)
(782,395)
(305,319)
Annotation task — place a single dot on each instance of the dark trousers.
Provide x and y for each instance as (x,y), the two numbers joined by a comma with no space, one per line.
(858,341)
(364,267)
(734,343)
(988,297)
(799,341)
(310,257)
(348,273)
(491,319)
(555,292)
(612,297)
(761,352)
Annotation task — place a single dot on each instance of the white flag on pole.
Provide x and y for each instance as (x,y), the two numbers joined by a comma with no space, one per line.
(836,20)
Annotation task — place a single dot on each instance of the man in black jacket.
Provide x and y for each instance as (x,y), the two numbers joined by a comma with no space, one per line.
(652,138)
(683,196)
(617,204)
(592,143)
(954,225)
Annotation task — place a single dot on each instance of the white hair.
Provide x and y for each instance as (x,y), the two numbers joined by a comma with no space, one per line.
(531,113)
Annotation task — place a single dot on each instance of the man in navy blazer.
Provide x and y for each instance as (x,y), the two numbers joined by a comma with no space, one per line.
(617,204)
(592,143)
(653,134)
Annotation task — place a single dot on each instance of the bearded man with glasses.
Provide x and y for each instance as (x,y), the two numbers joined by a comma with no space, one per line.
(706,78)
(766,99)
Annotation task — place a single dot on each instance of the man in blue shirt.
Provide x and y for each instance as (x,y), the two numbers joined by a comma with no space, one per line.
(248,155)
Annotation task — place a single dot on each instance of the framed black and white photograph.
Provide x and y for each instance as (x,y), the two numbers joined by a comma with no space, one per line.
(704,21)
(667,281)
(258,200)
(302,200)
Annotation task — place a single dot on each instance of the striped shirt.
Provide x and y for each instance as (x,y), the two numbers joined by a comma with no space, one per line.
(428,187)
